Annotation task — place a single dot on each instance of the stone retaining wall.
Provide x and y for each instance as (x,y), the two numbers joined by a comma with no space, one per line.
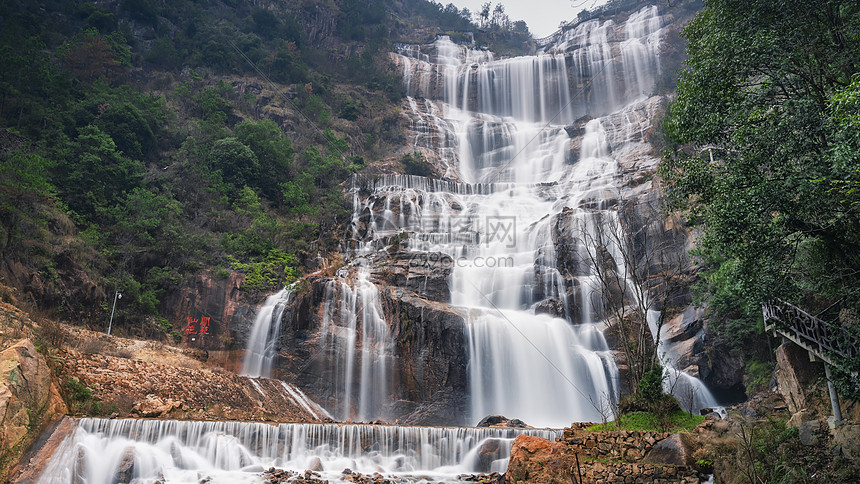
(630,473)
(539,461)
(628,445)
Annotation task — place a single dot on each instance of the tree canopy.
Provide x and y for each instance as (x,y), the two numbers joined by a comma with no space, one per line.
(763,155)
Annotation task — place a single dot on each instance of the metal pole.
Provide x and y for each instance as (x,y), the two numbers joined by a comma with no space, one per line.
(834,398)
(112,310)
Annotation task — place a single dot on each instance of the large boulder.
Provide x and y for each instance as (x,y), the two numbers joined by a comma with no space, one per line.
(809,432)
(677,449)
(125,471)
(846,441)
(684,326)
(489,452)
(537,460)
(28,396)
(795,374)
(155,406)
(501,421)
(724,369)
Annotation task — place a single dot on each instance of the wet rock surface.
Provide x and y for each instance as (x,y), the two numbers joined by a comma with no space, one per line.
(676,449)
(424,273)
(491,478)
(429,370)
(230,310)
(502,421)
(277,476)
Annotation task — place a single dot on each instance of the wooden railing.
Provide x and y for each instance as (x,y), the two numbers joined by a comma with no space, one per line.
(819,337)
(545,41)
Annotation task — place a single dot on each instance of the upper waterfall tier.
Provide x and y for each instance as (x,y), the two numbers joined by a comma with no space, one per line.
(593,69)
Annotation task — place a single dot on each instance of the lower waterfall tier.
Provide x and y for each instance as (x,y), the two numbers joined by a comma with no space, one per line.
(106,451)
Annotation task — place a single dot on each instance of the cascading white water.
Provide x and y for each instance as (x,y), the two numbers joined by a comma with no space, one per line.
(355,333)
(691,392)
(229,452)
(500,126)
(262,344)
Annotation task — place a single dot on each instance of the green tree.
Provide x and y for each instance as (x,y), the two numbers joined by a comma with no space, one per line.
(236,162)
(95,175)
(273,151)
(147,226)
(756,152)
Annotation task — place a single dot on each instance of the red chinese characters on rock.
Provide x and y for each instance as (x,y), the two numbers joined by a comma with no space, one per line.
(190,329)
(197,326)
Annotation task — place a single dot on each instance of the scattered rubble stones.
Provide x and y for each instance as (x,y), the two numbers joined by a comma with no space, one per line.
(277,476)
(148,389)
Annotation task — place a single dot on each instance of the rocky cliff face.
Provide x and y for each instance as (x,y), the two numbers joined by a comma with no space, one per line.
(29,396)
(428,366)
(211,311)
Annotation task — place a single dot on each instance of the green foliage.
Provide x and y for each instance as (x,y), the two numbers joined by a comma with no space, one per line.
(735,319)
(146,222)
(94,174)
(25,174)
(168,329)
(212,106)
(768,451)
(706,466)
(285,66)
(649,397)
(159,189)
(77,392)
(651,383)
(678,421)
(415,164)
(272,149)
(277,269)
(80,399)
(236,161)
(349,110)
(846,371)
(316,109)
(757,375)
(764,157)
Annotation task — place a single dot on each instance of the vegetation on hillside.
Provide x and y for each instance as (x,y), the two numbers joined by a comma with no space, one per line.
(765,159)
(143,142)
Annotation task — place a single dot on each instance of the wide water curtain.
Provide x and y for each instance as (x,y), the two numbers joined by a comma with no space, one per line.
(515,133)
(101,451)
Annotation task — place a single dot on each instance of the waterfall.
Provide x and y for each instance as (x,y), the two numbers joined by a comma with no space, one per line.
(690,391)
(226,452)
(355,334)
(262,344)
(536,145)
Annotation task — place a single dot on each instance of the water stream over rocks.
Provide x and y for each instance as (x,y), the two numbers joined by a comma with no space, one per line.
(121,450)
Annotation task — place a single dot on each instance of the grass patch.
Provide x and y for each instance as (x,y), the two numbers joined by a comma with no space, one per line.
(678,421)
